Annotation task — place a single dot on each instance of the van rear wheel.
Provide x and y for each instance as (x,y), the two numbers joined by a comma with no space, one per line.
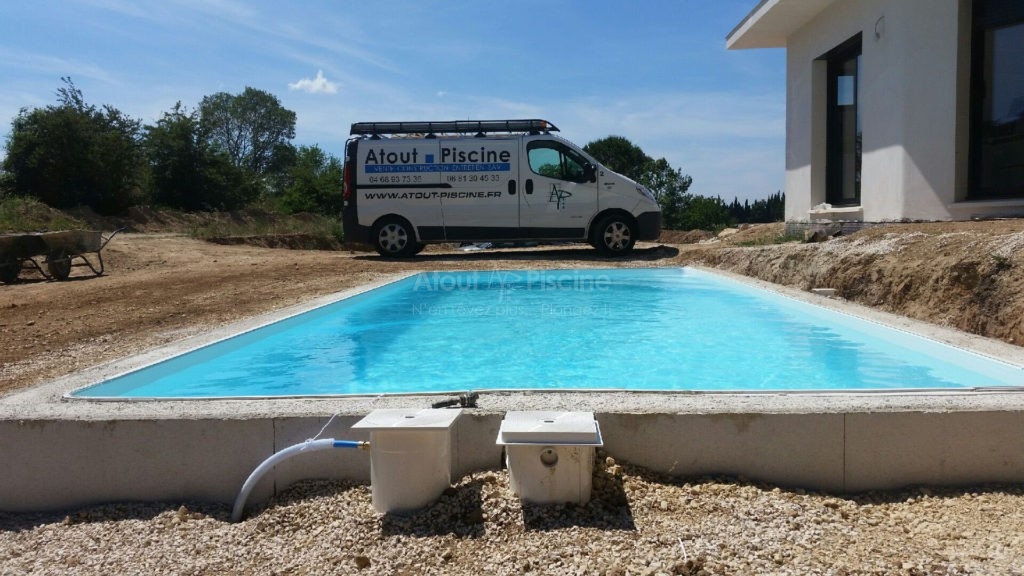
(614,235)
(394,238)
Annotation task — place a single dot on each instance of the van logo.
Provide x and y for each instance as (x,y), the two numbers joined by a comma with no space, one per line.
(382,156)
(558,196)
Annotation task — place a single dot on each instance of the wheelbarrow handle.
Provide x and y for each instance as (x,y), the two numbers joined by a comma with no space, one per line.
(111,237)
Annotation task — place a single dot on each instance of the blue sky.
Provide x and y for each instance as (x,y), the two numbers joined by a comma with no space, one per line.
(655,72)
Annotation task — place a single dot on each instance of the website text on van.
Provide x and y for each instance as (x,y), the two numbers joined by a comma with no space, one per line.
(408,184)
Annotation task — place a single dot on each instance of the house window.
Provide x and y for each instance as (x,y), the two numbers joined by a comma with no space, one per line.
(843,130)
(997,100)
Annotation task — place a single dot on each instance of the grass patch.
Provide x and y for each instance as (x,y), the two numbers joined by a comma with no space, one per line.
(255,225)
(21,215)
(258,223)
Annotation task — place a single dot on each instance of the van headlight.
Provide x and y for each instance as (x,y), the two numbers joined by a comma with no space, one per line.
(643,191)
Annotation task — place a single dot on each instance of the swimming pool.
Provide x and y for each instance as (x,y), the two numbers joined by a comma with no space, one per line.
(674,329)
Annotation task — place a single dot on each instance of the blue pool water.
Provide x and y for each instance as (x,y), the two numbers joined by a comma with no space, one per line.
(632,329)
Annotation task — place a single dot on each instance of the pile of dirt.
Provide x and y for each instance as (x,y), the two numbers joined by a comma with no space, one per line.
(966,275)
(34,216)
(149,219)
(685,237)
(288,241)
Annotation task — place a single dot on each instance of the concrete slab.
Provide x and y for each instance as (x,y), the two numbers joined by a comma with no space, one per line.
(63,463)
(798,450)
(890,450)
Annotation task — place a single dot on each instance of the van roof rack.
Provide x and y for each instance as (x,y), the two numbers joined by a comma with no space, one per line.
(478,127)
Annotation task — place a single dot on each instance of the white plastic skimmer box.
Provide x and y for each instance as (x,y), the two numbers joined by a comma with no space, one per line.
(410,456)
(550,455)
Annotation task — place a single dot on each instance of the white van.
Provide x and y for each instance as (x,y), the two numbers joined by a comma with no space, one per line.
(412,183)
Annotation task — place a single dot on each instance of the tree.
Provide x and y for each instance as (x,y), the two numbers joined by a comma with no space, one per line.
(669,186)
(704,213)
(620,155)
(6,183)
(680,210)
(314,183)
(74,154)
(186,171)
(771,209)
(252,128)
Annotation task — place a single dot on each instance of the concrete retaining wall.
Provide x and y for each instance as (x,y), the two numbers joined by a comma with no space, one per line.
(58,464)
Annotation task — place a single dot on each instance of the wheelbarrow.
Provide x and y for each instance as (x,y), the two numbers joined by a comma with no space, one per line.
(59,251)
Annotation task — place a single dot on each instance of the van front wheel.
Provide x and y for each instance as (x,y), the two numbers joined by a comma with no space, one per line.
(393,237)
(614,235)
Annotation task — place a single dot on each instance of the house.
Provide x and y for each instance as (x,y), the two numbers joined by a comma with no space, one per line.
(898,109)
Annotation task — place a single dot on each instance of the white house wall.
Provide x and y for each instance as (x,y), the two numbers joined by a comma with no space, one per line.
(909,108)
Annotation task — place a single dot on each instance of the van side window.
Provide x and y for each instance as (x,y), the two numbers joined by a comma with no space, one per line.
(555,160)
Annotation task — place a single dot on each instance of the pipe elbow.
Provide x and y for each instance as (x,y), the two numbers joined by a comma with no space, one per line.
(269,463)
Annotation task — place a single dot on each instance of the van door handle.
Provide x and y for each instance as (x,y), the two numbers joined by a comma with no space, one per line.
(529,185)
(511,187)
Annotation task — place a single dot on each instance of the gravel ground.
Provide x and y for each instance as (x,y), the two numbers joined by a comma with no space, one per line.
(637,523)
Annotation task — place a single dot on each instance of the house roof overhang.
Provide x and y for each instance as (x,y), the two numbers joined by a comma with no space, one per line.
(771,22)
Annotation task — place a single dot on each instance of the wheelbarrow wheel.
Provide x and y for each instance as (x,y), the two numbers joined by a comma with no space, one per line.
(10,267)
(59,265)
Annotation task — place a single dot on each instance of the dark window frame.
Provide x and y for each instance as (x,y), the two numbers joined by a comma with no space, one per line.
(835,175)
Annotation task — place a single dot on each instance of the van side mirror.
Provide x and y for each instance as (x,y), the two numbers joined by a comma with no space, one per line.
(590,173)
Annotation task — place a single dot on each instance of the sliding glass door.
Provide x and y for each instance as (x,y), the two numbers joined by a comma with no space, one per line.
(843,133)
(997,100)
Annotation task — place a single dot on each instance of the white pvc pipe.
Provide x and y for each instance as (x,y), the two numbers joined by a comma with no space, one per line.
(307,446)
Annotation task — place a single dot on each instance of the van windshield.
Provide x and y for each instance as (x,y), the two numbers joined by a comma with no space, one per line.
(556,160)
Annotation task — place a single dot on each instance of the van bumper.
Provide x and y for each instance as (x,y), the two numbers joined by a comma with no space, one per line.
(648,226)
(354,231)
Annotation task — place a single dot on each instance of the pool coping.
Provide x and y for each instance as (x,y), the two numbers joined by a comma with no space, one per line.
(203,449)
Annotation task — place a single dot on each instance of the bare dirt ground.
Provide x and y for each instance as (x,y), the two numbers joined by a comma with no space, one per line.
(162,287)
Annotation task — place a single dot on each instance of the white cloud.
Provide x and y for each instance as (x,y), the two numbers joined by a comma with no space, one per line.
(318,85)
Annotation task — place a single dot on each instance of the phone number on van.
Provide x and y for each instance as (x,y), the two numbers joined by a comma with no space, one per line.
(394,179)
(474,178)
